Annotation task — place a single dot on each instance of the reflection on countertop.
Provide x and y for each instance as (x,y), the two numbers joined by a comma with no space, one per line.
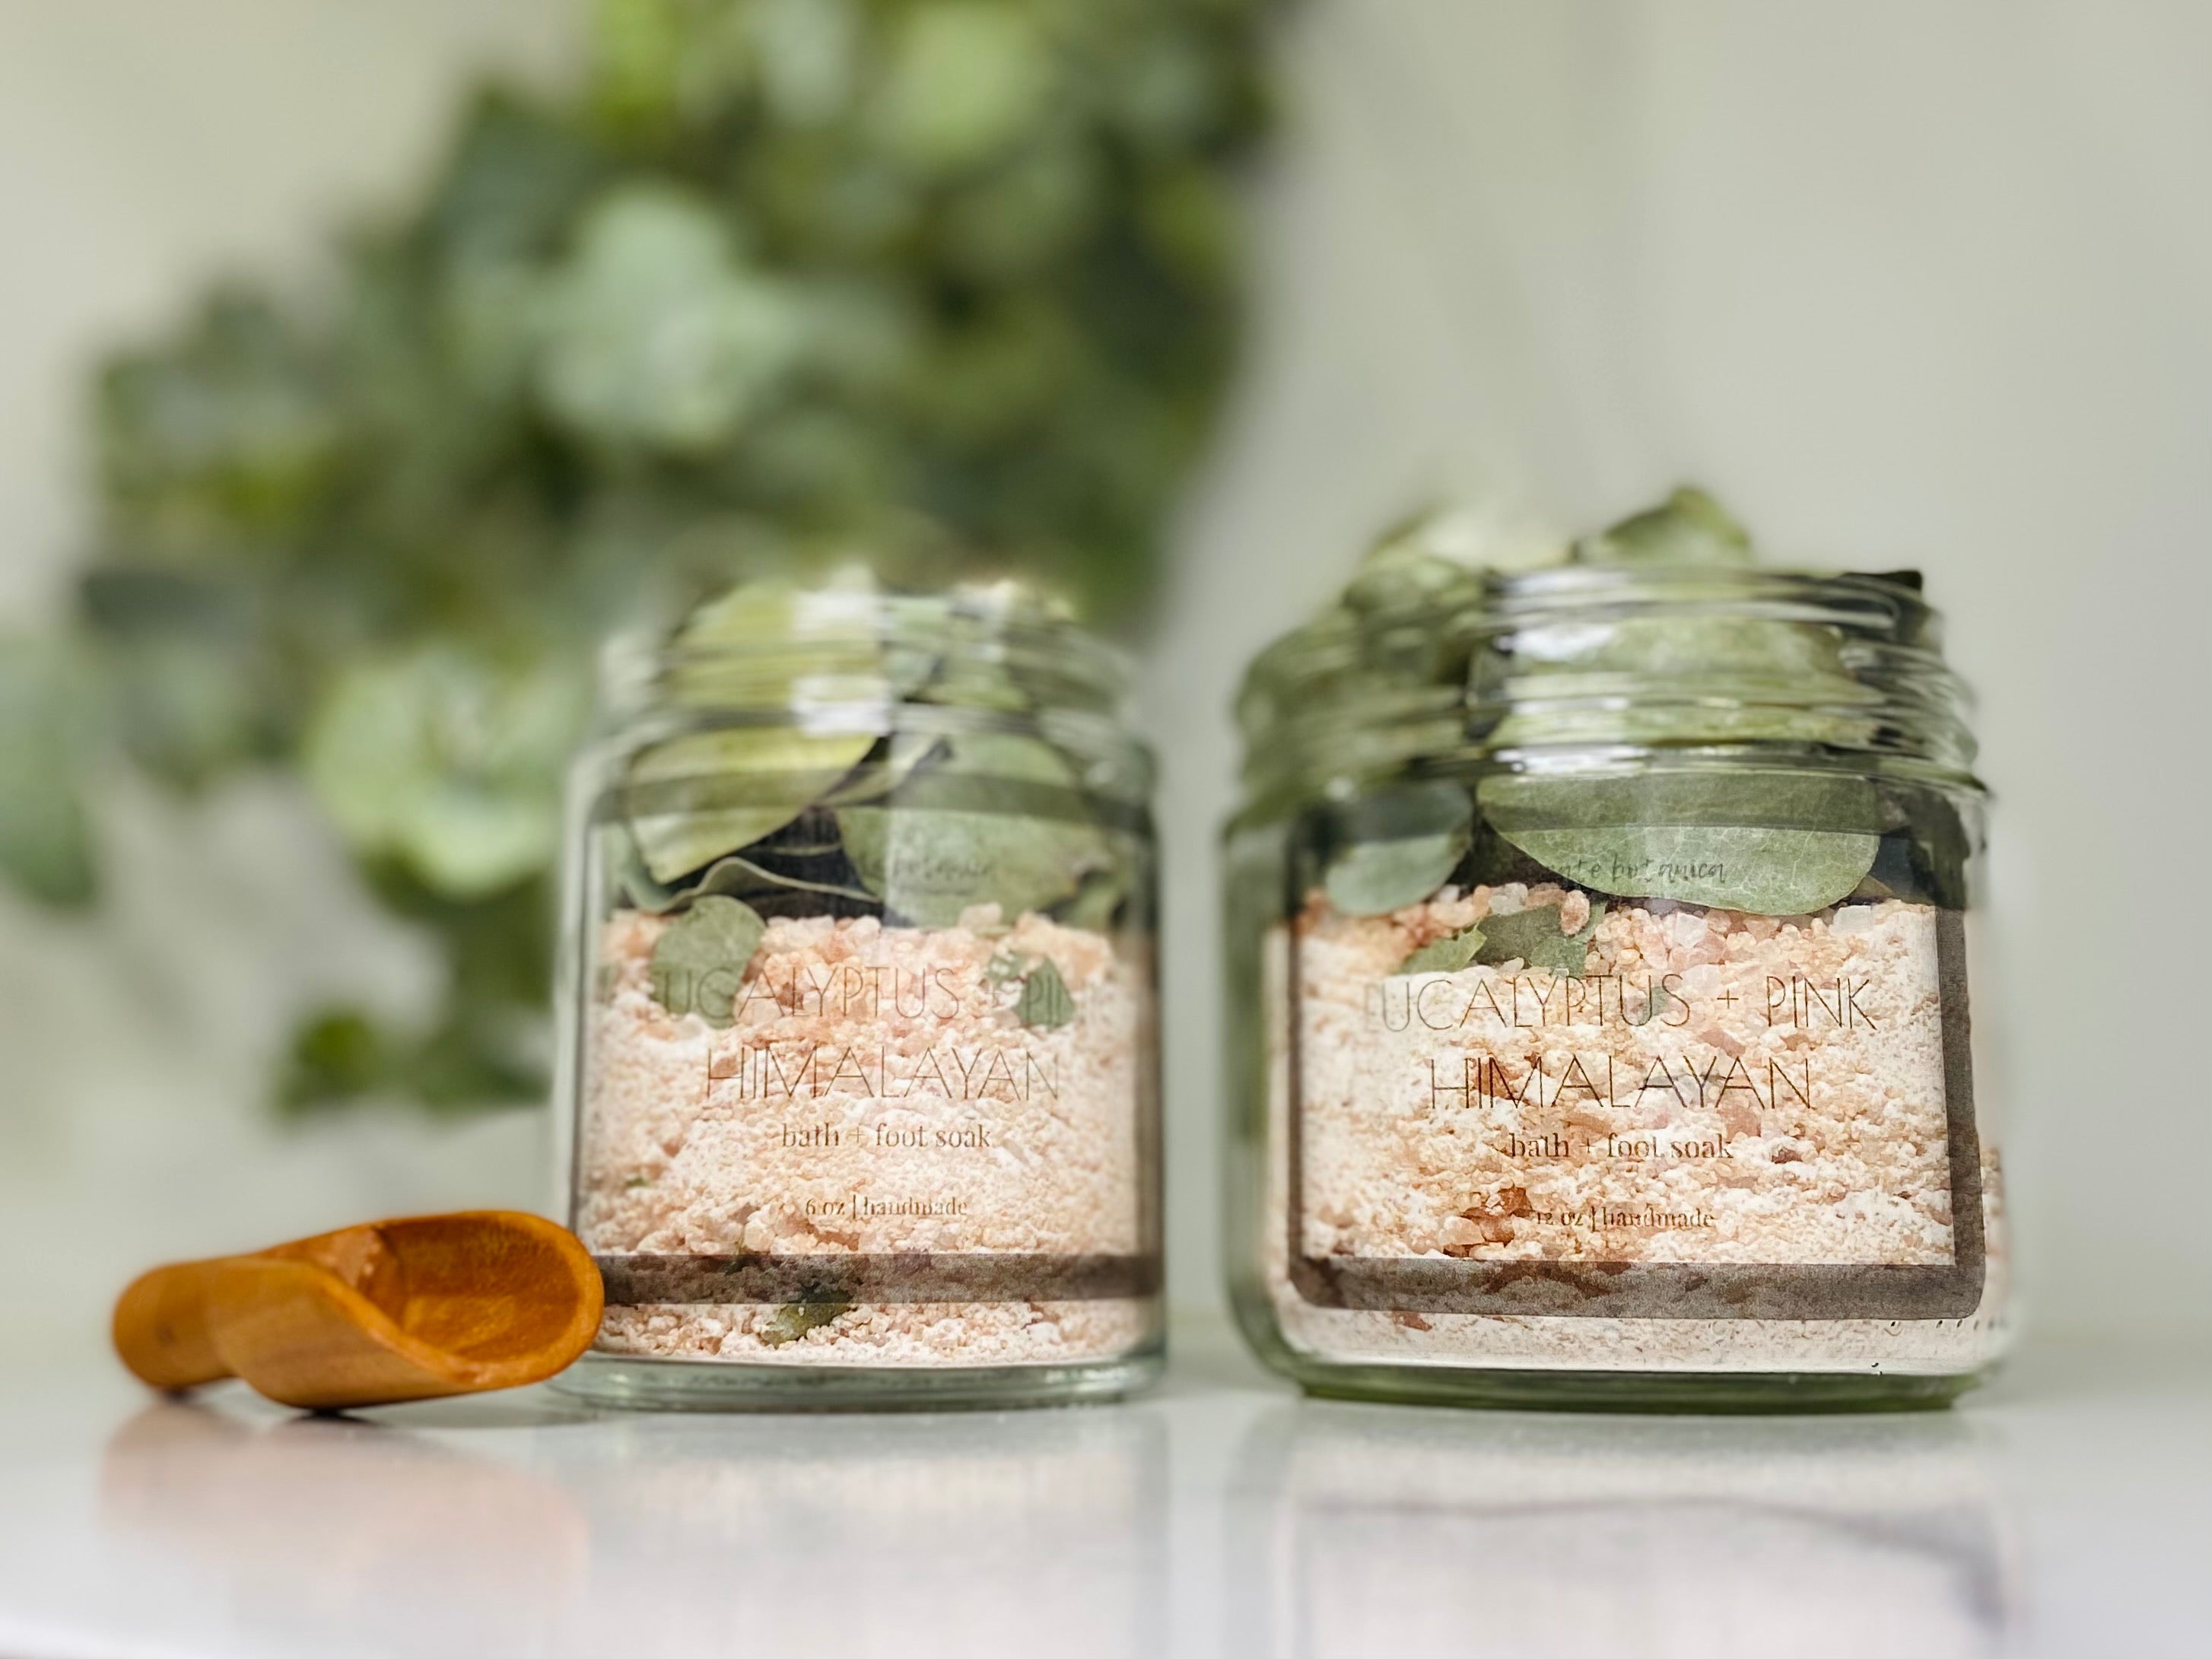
(1369,1531)
(1018,1533)
(332,1528)
(1222,1517)
(956,1533)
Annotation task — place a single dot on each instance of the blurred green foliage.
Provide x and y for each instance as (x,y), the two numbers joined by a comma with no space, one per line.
(778,272)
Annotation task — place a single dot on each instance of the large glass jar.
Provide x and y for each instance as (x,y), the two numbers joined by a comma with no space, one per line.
(1598,1027)
(860,1063)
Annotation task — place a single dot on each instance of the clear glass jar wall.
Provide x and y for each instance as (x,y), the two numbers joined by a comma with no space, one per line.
(1599,1028)
(859,1069)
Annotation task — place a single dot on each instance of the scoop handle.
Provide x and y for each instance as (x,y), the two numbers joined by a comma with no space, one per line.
(161,1328)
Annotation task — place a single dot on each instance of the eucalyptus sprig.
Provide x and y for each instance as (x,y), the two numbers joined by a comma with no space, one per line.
(775,276)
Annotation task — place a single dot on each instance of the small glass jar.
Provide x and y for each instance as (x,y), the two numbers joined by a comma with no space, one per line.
(858,1071)
(1598,1028)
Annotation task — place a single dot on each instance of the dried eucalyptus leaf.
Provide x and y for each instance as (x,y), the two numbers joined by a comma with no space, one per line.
(1533,936)
(975,682)
(700,962)
(752,616)
(1762,681)
(1045,1003)
(1447,954)
(1773,843)
(1689,527)
(1397,847)
(635,883)
(747,631)
(1096,900)
(738,875)
(1400,577)
(1746,679)
(1736,797)
(1938,847)
(1645,726)
(1769,873)
(781,771)
(794,1319)
(752,780)
(894,761)
(1493,861)
(1376,877)
(931,864)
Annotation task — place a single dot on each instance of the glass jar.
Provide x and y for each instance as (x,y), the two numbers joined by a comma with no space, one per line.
(859,1069)
(1598,1028)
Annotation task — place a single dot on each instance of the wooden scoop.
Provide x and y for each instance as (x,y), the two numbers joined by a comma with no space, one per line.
(405,1309)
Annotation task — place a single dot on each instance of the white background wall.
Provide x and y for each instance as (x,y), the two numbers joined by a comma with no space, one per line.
(1910,284)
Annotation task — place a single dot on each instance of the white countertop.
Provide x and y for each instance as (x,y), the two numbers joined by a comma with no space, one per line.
(2068,1510)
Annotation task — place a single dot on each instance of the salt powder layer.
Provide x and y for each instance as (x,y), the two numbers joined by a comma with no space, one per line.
(877,1093)
(1718,1088)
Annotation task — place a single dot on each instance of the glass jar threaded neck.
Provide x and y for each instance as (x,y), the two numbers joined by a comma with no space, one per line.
(1599,665)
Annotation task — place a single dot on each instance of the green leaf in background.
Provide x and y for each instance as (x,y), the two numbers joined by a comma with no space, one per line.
(187,677)
(770,277)
(656,334)
(486,1042)
(966,80)
(1397,847)
(336,1054)
(485,1047)
(1533,936)
(1781,844)
(1447,954)
(449,760)
(700,961)
(45,841)
(225,439)
(987,844)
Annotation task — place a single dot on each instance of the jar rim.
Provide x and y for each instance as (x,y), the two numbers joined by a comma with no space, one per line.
(1527,664)
(871,646)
